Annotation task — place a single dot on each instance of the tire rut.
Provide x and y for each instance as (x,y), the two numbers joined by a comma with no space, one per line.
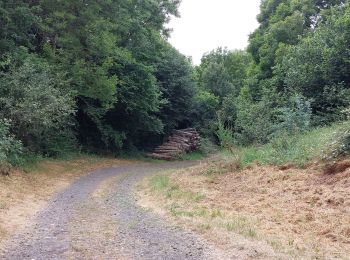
(78,225)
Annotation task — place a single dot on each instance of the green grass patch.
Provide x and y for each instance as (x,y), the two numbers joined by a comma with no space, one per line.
(216,213)
(159,182)
(162,184)
(240,225)
(194,156)
(30,162)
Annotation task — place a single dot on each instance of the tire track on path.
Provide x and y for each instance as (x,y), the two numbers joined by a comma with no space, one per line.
(77,224)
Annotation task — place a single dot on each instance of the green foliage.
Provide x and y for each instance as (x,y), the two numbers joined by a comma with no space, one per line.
(294,118)
(228,111)
(340,147)
(194,156)
(176,79)
(254,119)
(223,72)
(100,74)
(37,102)
(296,77)
(19,25)
(297,149)
(284,23)
(221,76)
(225,136)
(10,148)
(204,112)
(159,182)
(318,67)
(208,146)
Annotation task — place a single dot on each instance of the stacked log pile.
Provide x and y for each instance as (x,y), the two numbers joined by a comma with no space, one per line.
(180,142)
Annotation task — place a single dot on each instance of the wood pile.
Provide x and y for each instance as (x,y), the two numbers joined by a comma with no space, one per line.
(179,143)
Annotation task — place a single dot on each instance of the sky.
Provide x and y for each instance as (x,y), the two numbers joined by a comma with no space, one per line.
(205,25)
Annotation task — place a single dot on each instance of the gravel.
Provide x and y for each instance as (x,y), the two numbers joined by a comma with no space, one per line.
(78,225)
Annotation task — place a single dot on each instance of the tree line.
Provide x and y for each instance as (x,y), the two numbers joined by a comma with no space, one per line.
(100,76)
(294,75)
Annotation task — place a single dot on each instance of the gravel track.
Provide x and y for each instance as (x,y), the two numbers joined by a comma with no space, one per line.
(78,224)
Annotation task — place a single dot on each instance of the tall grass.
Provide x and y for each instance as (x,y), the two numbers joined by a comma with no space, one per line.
(297,149)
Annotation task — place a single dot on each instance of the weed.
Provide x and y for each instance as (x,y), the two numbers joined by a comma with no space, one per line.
(159,182)
(194,156)
(226,163)
(173,208)
(3,205)
(225,136)
(207,147)
(277,245)
(240,225)
(176,211)
(197,197)
(133,224)
(216,213)
(291,242)
(251,233)
(202,213)
(172,191)
(236,225)
(204,226)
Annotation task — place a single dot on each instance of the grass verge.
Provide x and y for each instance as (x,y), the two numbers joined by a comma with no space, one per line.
(194,208)
(298,149)
(299,212)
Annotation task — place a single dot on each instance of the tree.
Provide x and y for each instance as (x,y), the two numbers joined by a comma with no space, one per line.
(318,67)
(176,79)
(36,101)
(224,72)
(283,23)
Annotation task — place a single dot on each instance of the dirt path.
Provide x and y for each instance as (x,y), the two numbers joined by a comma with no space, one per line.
(97,218)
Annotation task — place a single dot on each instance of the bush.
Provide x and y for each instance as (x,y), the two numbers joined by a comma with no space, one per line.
(254,119)
(225,136)
(204,112)
(207,146)
(37,102)
(294,118)
(10,148)
(60,145)
(341,146)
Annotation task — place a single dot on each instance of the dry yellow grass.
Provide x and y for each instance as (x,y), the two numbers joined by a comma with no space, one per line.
(300,213)
(22,195)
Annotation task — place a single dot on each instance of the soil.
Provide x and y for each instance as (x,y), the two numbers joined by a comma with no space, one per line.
(97,217)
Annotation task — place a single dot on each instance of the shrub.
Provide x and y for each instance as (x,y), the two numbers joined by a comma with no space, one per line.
(294,118)
(341,146)
(10,148)
(36,101)
(207,146)
(254,119)
(225,136)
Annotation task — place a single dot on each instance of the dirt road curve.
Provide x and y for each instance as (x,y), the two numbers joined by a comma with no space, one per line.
(97,218)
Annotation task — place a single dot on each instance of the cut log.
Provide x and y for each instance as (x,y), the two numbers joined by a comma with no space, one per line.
(161,157)
(180,142)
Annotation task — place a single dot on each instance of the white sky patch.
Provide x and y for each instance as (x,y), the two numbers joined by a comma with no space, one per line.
(205,25)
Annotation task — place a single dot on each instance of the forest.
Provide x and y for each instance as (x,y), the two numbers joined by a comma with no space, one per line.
(100,77)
